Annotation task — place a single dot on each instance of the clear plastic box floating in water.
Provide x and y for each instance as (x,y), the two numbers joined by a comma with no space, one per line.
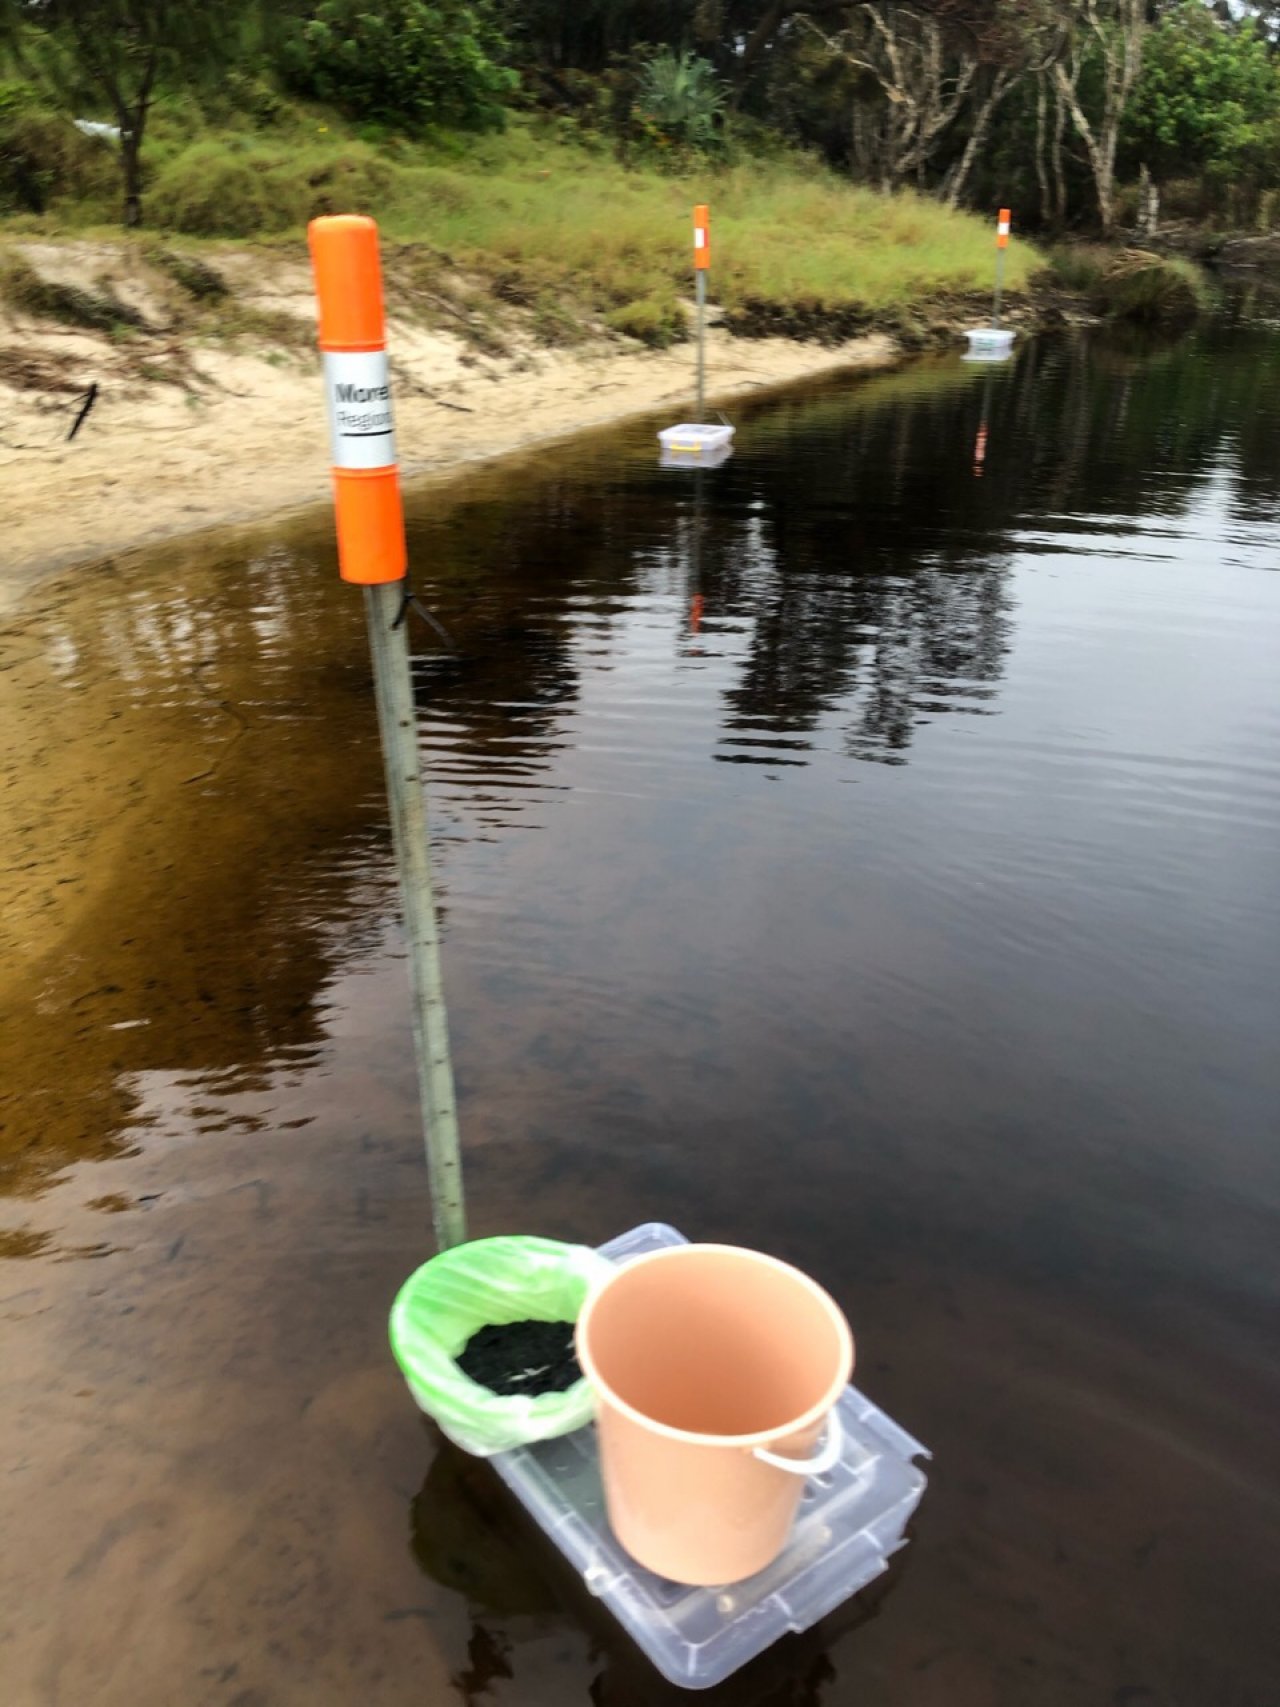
(990,343)
(851,1522)
(690,440)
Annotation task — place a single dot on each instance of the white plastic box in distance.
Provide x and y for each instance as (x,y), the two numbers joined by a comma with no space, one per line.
(851,1521)
(990,343)
(696,439)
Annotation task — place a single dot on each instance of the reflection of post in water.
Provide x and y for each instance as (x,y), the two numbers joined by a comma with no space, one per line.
(697,600)
(980,440)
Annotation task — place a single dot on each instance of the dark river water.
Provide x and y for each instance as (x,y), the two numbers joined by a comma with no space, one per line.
(867,851)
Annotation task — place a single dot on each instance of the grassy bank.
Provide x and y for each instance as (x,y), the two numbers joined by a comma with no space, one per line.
(557,227)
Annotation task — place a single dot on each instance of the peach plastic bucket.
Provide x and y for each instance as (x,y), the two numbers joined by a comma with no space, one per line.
(715,1372)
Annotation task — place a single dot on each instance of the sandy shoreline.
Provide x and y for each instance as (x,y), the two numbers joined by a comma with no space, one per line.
(245,437)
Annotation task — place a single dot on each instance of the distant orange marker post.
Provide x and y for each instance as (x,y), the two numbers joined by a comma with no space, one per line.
(702,237)
(373,555)
(701,267)
(1002,243)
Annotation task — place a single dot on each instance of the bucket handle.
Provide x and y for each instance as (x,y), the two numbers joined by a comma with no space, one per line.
(827,1457)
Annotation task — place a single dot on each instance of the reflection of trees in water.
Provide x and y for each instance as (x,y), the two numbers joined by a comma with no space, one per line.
(880,652)
(943,636)
(870,593)
(850,541)
(524,583)
(868,563)
(1134,424)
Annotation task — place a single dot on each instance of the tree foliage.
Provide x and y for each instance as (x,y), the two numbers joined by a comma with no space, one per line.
(117,54)
(414,62)
(1209,95)
(1055,106)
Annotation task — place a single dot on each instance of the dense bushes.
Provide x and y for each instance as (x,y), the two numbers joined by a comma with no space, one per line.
(1157,289)
(212,190)
(407,62)
(1132,284)
(43,155)
(654,320)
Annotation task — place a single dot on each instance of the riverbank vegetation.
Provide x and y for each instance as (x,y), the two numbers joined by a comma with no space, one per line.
(550,150)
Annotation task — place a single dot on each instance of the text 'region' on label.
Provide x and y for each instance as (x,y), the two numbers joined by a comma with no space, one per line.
(358,389)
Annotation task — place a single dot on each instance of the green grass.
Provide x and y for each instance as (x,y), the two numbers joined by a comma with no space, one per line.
(782,231)
(548,222)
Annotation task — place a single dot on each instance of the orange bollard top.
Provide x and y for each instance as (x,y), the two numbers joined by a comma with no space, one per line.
(1002,228)
(357,383)
(348,274)
(702,235)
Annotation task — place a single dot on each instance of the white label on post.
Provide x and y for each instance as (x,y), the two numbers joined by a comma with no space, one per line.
(699,237)
(1002,227)
(358,388)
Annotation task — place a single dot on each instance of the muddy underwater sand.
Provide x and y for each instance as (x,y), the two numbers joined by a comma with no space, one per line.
(843,856)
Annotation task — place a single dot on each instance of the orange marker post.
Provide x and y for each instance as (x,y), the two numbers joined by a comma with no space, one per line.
(1002,243)
(372,554)
(702,237)
(701,267)
(353,339)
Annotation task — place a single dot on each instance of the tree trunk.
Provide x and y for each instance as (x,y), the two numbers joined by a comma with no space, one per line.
(1042,170)
(1117,39)
(1055,160)
(131,170)
(1104,168)
(1148,203)
(1000,87)
(1102,158)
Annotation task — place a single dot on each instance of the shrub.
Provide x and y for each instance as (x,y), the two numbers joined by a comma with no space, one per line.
(252,95)
(1158,289)
(1079,266)
(43,155)
(654,320)
(210,191)
(414,62)
(221,190)
(680,100)
(355,178)
(554,322)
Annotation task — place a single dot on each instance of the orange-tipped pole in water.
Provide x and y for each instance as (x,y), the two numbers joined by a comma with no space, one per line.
(702,237)
(1002,243)
(372,553)
(366,480)
(701,267)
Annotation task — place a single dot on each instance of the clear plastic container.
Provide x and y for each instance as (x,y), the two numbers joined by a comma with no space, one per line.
(851,1521)
(691,439)
(990,343)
